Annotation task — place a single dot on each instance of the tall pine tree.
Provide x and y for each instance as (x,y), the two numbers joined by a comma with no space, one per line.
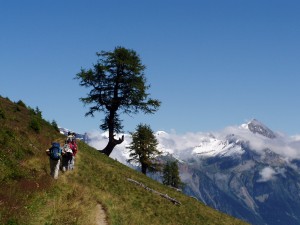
(143,149)
(171,174)
(117,85)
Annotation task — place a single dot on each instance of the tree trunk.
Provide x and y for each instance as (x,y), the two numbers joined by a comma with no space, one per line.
(144,168)
(111,145)
(111,136)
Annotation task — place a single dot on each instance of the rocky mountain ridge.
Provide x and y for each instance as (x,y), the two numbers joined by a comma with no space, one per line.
(257,185)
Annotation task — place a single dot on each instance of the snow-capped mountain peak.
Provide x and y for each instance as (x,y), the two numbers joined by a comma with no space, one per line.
(215,147)
(257,127)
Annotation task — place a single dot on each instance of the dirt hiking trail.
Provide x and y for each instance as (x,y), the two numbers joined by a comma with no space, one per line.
(100,216)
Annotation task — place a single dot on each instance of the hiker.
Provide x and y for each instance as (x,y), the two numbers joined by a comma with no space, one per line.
(73,146)
(54,153)
(71,136)
(67,155)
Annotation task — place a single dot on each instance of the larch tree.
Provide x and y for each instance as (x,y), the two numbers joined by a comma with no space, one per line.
(117,86)
(143,149)
(171,174)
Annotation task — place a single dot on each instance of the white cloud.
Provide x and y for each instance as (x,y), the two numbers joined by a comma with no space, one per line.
(99,140)
(283,145)
(267,174)
(179,145)
(295,138)
(182,145)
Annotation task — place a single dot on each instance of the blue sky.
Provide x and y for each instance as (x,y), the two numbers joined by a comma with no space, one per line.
(212,63)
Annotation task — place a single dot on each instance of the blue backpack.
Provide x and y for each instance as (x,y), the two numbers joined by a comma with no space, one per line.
(55,151)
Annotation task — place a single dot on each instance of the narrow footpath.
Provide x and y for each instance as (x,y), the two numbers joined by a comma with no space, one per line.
(100,216)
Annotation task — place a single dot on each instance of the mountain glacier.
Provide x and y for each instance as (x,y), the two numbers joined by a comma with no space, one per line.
(247,171)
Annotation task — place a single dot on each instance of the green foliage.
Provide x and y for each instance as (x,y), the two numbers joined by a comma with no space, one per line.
(10,154)
(21,103)
(143,148)
(12,222)
(118,86)
(54,125)
(35,112)
(17,108)
(2,114)
(6,136)
(118,127)
(171,175)
(22,159)
(118,83)
(35,125)
(31,110)
(38,112)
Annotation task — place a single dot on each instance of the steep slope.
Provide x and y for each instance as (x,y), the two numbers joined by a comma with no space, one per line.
(28,195)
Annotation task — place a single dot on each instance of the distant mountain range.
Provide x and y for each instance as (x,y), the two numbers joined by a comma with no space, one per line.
(250,174)
(247,171)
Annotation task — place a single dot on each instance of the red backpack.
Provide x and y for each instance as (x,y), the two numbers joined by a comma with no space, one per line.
(73,146)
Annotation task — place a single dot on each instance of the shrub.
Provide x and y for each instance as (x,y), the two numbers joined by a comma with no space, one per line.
(17,109)
(12,222)
(20,103)
(54,124)
(2,114)
(35,125)
(35,112)
(38,112)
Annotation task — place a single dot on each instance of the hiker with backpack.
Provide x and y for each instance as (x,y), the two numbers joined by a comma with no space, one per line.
(54,153)
(67,156)
(73,146)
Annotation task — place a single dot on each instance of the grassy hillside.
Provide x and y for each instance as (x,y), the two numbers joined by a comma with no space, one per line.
(28,195)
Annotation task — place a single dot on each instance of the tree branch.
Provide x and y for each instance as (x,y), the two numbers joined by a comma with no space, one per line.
(119,141)
(173,200)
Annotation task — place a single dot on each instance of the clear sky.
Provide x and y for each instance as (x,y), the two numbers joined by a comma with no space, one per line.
(212,63)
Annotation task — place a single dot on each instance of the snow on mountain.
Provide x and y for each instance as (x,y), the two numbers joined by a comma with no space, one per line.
(259,137)
(63,131)
(227,142)
(213,147)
